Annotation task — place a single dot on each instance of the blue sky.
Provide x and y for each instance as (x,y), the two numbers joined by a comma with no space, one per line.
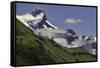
(57,15)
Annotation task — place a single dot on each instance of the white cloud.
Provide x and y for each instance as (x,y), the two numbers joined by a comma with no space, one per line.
(73,20)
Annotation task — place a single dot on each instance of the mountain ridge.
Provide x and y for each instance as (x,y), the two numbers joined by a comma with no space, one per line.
(32,49)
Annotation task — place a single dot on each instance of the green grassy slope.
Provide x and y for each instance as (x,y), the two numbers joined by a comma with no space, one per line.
(32,49)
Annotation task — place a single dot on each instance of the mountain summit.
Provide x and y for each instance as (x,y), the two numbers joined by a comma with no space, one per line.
(36,20)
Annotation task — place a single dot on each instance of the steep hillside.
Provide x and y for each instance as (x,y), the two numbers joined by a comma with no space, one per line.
(33,50)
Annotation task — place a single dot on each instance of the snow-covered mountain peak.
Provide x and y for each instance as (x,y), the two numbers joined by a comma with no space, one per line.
(36,20)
